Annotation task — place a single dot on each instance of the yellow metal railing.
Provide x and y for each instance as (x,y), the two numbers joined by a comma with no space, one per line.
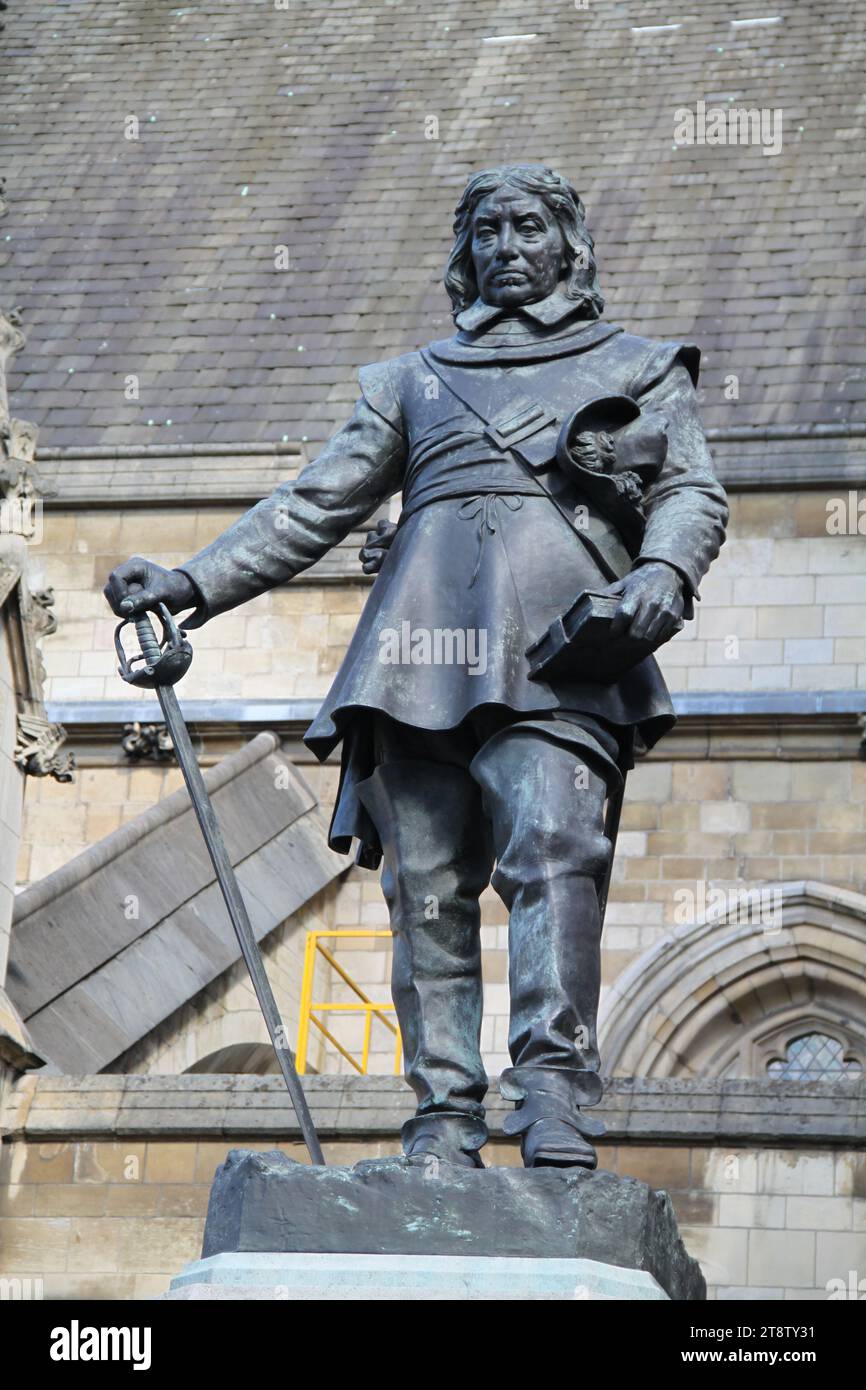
(363,1004)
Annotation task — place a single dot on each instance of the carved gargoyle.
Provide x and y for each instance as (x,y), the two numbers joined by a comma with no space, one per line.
(147,742)
(37,748)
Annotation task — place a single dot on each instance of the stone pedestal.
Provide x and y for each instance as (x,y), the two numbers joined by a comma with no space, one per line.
(389,1228)
(369,1278)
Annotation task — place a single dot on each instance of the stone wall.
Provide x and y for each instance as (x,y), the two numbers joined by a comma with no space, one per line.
(687,823)
(288,642)
(104,1180)
(783,611)
(11,794)
(783,608)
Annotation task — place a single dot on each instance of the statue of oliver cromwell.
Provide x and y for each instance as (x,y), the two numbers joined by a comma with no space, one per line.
(541,453)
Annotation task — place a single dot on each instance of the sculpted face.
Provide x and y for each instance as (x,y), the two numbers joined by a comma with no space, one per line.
(518,249)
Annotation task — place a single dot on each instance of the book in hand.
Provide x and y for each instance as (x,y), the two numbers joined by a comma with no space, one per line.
(578,646)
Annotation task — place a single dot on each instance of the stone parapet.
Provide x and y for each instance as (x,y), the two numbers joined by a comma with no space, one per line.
(42,1108)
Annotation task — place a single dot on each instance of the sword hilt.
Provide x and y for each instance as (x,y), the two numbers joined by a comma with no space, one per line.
(150,648)
(165,659)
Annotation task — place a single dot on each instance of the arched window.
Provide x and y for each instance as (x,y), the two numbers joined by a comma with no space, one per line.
(814,1057)
(732,998)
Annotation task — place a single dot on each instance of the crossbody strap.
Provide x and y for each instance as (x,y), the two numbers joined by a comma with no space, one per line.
(527,429)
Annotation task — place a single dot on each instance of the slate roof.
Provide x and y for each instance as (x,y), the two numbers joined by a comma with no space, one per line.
(304,126)
(89,981)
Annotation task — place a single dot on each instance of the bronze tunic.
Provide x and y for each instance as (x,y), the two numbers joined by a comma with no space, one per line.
(480,550)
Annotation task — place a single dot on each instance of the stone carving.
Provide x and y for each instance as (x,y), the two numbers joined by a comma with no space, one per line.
(9,576)
(147,742)
(21,486)
(37,748)
(43,619)
(12,340)
(19,447)
(28,614)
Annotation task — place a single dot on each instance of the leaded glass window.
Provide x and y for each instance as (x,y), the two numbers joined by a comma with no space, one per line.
(813,1057)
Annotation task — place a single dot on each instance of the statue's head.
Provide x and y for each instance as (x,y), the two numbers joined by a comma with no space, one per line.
(519,232)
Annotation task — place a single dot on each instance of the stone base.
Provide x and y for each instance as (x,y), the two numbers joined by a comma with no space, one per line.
(353,1278)
(270,1206)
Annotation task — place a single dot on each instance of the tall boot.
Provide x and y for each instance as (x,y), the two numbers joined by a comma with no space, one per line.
(553,1039)
(551,855)
(437,860)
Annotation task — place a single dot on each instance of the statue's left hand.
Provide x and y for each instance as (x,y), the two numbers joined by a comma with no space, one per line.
(652,603)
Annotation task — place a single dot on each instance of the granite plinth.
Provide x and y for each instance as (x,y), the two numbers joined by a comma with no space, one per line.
(368,1278)
(268,1204)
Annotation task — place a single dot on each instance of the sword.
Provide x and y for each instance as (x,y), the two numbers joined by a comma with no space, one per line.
(165,661)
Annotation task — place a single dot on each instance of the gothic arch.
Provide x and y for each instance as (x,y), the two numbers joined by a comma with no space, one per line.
(240,1058)
(713,997)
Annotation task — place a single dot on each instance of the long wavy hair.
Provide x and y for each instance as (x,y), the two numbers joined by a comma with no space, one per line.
(558,196)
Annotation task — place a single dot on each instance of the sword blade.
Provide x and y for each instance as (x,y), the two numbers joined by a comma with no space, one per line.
(237,911)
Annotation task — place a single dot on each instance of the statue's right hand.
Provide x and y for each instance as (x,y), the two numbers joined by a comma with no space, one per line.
(373,552)
(138,585)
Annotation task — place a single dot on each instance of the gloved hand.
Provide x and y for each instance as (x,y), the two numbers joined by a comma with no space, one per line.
(138,585)
(651,608)
(375,548)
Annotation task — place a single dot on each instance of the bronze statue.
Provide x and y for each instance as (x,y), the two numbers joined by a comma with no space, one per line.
(542,454)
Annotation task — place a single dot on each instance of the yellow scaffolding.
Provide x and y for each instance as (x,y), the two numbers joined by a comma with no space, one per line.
(365,1005)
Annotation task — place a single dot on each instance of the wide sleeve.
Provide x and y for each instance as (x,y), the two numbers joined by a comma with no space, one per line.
(686,506)
(359,468)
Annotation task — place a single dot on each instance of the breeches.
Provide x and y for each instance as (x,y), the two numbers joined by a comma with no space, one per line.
(515,800)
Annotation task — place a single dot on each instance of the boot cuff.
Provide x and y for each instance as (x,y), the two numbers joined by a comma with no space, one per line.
(570,1086)
(449,1128)
(544,1093)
